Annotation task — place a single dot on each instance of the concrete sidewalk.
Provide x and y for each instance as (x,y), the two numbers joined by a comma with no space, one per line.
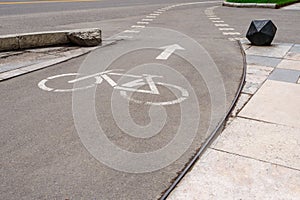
(257,156)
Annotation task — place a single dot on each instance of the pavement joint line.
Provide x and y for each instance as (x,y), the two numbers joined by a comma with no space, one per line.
(249,157)
(288,51)
(257,120)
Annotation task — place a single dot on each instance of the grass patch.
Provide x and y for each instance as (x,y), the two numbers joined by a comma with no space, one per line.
(278,2)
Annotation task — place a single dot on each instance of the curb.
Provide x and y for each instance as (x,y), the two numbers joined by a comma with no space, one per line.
(220,127)
(250,5)
(43,39)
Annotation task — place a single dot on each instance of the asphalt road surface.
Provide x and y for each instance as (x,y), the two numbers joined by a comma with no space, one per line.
(181,75)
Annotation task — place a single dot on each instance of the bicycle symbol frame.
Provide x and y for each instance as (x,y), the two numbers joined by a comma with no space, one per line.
(131,86)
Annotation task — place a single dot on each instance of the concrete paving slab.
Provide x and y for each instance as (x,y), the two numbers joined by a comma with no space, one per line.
(294,53)
(285,75)
(293,56)
(273,143)
(251,88)
(275,102)
(258,70)
(255,79)
(262,60)
(243,99)
(256,75)
(289,64)
(221,175)
(275,50)
(295,48)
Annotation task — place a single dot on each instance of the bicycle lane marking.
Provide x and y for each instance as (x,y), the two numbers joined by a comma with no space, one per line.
(218,22)
(129,86)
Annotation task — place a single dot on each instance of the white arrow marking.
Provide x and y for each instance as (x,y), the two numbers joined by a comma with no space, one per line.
(168,50)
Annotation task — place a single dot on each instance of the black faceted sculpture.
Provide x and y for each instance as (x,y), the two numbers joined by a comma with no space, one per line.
(261,32)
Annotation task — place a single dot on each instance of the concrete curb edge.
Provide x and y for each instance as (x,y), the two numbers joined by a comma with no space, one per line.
(250,5)
(218,130)
(40,39)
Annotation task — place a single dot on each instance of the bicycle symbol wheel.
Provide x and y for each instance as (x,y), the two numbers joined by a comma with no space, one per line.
(183,92)
(43,83)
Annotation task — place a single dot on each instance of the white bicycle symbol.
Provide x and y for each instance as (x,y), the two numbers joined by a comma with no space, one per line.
(140,80)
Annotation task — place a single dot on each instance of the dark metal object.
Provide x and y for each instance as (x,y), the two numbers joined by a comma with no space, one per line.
(261,32)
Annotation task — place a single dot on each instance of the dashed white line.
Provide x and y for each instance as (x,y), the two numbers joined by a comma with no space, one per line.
(214,18)
(226,29)
(218,21)
(124,37)
(142,23)
(158,12)
(137,26)
(234,39)
(221,25)
(154,14)
(152,17)
(131,31)
(231,33)
(147,20)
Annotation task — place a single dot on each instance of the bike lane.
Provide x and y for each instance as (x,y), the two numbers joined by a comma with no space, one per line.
(52,141)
